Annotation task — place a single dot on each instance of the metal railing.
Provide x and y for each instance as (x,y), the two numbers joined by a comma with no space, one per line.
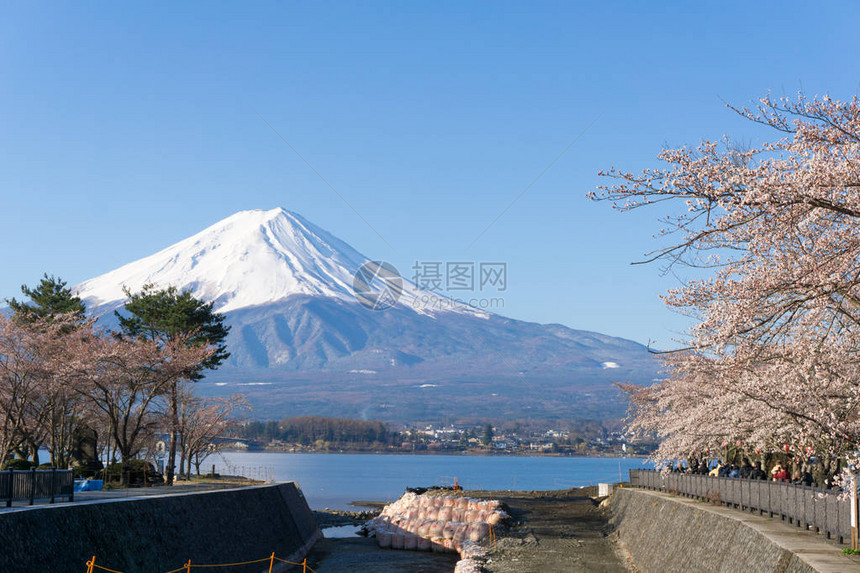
(807,507)
(30,485)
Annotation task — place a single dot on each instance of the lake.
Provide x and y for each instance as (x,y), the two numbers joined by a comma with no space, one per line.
(335,480)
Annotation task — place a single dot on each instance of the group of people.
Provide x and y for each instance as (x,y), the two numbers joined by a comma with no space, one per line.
(744,471)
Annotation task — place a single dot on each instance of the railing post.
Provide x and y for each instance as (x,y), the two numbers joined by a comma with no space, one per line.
(32,486)
(11,489)
(271,562)
(90,564)
(854,512)
(53,483)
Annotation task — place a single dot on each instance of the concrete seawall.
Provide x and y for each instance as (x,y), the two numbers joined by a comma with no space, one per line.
(667,533)
(161,533)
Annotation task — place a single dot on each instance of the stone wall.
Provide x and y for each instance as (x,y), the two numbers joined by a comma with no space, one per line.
(158,534)
(665,534)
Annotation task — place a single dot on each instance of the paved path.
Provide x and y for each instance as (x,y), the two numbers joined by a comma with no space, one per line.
(124,493)
(824,556)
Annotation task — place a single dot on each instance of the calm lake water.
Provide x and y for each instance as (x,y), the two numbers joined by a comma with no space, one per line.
(335,480)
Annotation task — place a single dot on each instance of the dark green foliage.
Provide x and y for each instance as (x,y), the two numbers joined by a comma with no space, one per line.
(18,464)
(85,472)
(133,473)
(163,314)
(487,438)
(306,430)
(49,299)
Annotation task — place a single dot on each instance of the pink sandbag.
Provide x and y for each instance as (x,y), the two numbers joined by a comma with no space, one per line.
(424,529)
(410,542)
(438,501)
(496,517)
(448,501)
(470,516)
(461,532)
(445,514)
(473,504)
(424,544)
(463,503)
(397,541)
(478,531)
(457,514)
(433,513)
(448,530)
(436,528)
(383,538)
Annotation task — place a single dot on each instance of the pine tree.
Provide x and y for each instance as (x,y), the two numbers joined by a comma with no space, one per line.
(49,299)
(488,435)
(164,315)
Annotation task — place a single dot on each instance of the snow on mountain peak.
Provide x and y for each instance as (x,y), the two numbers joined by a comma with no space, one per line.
(253,258)
(250,258)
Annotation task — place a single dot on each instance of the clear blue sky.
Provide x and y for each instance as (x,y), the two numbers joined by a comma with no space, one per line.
(125,129)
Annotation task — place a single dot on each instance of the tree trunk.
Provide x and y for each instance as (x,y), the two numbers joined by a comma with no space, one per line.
(174,424)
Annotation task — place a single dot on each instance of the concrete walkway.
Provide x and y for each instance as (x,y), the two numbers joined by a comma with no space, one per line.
(127,493)
(822,555)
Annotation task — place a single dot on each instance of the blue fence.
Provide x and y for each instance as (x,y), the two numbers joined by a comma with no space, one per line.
(806,507)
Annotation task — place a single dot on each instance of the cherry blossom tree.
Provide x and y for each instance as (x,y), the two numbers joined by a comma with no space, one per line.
(203,423)
(22,373)
(772,361)
(126,380)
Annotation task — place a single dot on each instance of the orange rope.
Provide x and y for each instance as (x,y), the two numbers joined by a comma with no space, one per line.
(105,569)
(285,561)
(305,563)
(233,564)
(189,565)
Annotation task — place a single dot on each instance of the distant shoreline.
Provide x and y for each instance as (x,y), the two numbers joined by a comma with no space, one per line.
(445,453)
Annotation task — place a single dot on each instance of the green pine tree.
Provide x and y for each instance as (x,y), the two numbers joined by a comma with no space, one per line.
(49,299)
(488,435)
(163,315)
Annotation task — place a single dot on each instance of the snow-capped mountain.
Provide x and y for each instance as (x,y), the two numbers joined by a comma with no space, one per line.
(301,342)
(250,259)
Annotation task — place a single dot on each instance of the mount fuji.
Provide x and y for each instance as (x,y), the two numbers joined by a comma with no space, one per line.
(301,342)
